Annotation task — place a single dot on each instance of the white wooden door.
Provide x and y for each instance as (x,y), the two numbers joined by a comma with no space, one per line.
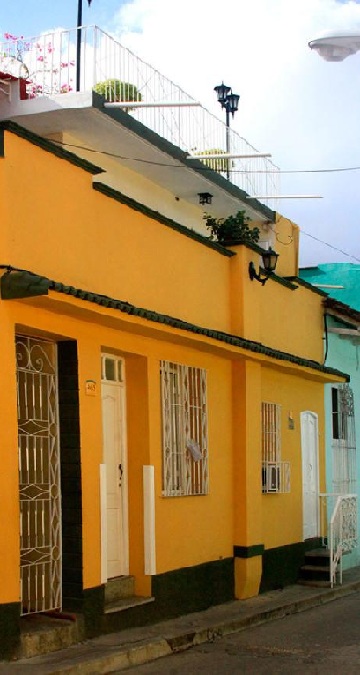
(115,460)
(310,473)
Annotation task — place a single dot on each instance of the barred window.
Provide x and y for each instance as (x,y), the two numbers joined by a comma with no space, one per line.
(275,473)
(184,430)
(343,439)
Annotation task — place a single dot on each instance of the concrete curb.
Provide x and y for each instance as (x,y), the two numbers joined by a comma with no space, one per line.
(104,655)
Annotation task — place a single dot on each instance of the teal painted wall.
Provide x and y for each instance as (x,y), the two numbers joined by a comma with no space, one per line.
(344,354)
(346,275)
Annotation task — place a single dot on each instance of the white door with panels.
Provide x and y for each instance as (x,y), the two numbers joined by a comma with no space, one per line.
(113,395)
(310,473)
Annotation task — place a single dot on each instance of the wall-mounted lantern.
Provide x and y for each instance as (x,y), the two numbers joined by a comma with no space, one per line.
(269,259)
(205,198)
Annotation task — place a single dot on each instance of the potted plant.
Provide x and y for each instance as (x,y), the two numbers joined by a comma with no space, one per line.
(232,229)
(117,90)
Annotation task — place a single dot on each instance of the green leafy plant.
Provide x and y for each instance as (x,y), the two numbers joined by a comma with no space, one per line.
(232,228)
(117,90)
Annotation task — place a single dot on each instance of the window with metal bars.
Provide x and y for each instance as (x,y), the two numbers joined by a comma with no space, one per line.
(343,439)
(184,430)
(275,473)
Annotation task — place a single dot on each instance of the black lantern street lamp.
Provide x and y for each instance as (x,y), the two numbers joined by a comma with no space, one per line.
(269,259)
(230,102)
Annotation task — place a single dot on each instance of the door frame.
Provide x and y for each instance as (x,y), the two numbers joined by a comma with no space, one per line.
(119,382)
(315,523)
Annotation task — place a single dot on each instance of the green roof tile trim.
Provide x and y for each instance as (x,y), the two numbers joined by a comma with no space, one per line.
(173,322)
(234,340)
(141,130)
(156,215)
(341,308)
(47,145)
(301,282)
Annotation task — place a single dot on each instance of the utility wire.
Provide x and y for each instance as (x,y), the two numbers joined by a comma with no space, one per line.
(205,168)
(326,243)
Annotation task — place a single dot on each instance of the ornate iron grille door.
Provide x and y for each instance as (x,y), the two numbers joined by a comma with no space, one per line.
(39,476)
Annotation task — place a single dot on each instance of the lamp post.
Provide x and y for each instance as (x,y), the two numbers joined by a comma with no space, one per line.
(78,43)
(230,102)
(336,45)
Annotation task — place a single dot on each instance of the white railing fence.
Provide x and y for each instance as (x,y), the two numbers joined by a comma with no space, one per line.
(338,528)
(48,63)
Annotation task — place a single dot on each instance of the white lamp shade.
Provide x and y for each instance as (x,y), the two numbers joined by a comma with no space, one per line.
(336,46)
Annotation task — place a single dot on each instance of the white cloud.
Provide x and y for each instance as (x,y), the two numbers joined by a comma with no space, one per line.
(297,106)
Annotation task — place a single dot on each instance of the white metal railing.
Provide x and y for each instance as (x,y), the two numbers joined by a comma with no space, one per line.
(48,63)
(338,528)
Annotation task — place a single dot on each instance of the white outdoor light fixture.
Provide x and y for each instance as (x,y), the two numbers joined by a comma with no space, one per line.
(336,45)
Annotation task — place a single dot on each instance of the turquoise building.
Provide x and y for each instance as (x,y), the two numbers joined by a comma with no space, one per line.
(340,284)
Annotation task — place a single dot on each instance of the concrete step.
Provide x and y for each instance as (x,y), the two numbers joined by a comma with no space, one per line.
(119,588)
(314,573)
(318,553)
(126,603)
(318,557)
(319,583)
(43,633)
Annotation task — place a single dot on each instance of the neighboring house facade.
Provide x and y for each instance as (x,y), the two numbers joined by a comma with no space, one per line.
(341,282)
(162,414)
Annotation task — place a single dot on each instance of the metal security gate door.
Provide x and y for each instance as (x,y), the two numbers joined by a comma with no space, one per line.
(39,476)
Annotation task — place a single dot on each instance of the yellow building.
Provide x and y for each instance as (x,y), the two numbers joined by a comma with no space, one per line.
(160,410)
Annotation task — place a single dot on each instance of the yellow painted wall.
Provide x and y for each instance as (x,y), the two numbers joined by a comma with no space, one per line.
(78,236)
(286,244)
(282,521)
(58,226)
(9,522)
(192,517)
(278,317)
(141,189)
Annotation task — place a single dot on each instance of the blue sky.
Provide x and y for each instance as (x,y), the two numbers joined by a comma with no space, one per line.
(30,18)
(293,104)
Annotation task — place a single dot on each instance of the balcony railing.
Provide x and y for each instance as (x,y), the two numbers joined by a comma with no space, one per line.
(338,526)
(48,63)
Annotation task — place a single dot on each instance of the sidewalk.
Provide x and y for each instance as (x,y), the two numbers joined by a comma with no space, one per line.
(140,645)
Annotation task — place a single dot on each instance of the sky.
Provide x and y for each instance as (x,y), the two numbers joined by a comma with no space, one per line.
(293,104)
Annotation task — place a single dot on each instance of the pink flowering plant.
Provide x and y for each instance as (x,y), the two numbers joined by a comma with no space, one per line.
(36,61)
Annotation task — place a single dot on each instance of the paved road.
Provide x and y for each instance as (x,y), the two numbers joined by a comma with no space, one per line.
(325,640)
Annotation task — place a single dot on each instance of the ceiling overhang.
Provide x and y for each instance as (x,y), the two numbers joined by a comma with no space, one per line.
(107,136)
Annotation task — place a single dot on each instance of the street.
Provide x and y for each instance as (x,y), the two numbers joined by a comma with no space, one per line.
(320,640)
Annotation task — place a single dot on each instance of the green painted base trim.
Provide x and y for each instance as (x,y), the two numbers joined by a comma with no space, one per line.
(92,610)
(248,551)
(182,591)
(281,565)
(192,589)
(9,629)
